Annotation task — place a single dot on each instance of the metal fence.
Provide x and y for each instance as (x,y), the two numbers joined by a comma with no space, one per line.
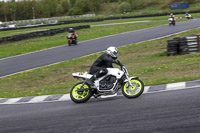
(46,20)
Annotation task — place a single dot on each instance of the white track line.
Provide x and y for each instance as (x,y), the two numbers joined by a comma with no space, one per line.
(121,23)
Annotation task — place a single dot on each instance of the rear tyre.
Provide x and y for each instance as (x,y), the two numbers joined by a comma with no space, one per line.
(135,91)
(80,97)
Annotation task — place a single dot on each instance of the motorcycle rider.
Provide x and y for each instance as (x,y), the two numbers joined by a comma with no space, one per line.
(188,16)
(72,31)
(172,18)
(172,15)
(98,69)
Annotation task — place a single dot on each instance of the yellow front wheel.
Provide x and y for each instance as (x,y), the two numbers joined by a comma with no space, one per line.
(135,91)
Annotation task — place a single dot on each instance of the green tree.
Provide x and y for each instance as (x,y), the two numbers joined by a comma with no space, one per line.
(94,5)
(59,10)
(124,7)
(72,2)
(136,4)
(81,7)
(4,11)
(65,5)
(45,8)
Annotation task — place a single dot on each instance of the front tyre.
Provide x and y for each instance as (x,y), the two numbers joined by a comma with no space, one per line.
(78,96)
(135,91)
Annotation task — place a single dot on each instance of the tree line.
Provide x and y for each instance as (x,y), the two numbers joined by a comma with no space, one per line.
(31,9)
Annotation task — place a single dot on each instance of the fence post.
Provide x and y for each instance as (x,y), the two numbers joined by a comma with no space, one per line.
(198,42)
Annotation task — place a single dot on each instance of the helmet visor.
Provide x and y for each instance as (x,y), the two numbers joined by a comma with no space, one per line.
(115,53)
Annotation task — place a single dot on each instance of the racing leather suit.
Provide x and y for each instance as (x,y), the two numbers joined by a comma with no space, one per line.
(99,66)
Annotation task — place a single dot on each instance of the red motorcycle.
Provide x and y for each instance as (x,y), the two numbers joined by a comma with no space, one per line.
(72,38)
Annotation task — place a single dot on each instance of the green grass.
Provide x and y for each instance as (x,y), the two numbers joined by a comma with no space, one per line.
(147,60)
(150,7)
(35,44)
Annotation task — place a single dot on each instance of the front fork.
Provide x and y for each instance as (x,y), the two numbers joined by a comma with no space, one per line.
(80,91)
(129,80)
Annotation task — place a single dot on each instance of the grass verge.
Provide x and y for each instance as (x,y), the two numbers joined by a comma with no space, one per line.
(147,60)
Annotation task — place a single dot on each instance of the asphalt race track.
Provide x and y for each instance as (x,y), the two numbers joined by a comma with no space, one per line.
(20,63)
(164,112)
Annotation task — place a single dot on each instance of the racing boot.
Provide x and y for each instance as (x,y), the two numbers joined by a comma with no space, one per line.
(91,80)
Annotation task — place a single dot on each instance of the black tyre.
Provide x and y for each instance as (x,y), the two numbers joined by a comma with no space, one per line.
(75,42)
(69,42)
(182,53)
(80,97)
(135,91)
(172,42)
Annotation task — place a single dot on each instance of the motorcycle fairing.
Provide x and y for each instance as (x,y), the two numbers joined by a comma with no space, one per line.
(85,75)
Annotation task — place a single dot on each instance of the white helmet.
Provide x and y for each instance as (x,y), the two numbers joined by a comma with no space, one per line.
(112,51)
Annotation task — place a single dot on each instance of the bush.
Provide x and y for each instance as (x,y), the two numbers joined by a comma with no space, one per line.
(137,4)
(124,7)
(70,12)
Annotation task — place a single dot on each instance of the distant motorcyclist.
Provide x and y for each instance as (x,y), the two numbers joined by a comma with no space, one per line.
(98,69)
(72,37)
(188,16)
(72,33)
(172,16)
(171,19)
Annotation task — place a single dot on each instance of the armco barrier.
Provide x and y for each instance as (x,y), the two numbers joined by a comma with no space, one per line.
(183,45)
(40,33)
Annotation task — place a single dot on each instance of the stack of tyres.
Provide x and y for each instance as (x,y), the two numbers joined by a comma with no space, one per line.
(183,47)
(192,42)
(172,47)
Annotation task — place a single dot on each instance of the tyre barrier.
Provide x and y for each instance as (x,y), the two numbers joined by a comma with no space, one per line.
(50,32)
(183,45)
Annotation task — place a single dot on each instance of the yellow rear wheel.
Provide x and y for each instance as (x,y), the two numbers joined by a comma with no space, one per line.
(80,96)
